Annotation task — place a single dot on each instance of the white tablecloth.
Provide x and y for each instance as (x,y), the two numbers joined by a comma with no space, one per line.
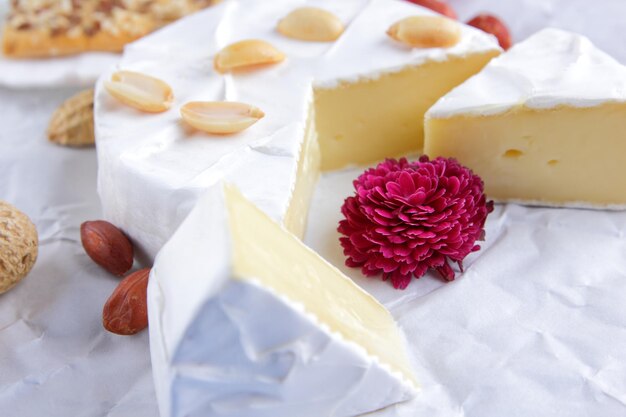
(536,325)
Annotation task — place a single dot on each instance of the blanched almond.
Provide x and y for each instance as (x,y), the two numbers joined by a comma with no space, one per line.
(246,54)
(311,24)
(140,91)
(220,117)
(426,32)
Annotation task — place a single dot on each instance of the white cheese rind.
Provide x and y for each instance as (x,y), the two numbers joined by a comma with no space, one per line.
(549,69)
(366,52)
(153,168)
(228,347)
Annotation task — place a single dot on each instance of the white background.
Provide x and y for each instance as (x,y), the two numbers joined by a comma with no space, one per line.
(536,326)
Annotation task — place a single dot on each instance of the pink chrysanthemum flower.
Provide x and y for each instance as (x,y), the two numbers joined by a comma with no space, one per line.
(408,217)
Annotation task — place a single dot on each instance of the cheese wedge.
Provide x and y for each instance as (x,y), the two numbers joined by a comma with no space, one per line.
(327,105)
(542,124)
(245,320)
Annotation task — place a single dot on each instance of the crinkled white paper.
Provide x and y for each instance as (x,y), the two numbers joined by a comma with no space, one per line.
(536,326)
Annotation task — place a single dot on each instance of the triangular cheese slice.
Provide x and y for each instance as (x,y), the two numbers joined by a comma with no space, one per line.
(542,124)
(245,320)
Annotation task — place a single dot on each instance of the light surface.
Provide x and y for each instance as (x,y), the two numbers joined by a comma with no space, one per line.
(566,316)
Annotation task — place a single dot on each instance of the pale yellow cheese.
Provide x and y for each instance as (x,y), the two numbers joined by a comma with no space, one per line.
(264,251)
(306,179)
(560,156)
(363,122)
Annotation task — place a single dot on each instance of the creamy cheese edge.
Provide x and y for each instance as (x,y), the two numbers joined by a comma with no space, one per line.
(153,168)
(549,69)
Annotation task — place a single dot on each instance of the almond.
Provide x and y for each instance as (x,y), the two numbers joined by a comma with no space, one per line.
(126,310)
(72,123)
(438,6)
(220,117)
(311,24)
(19,246)
(140,91)
(107,246)
(426,32)
(494,26)
(246,54)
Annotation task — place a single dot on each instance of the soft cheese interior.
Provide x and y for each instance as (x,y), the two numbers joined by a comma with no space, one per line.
(246,320)
(542,124)
(371,93)
(363,96)
(542,156)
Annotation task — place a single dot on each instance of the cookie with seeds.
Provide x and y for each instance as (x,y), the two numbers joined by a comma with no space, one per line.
(43,28)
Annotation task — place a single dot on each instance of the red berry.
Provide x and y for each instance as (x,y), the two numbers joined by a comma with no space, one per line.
(493,25)
(438,6)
